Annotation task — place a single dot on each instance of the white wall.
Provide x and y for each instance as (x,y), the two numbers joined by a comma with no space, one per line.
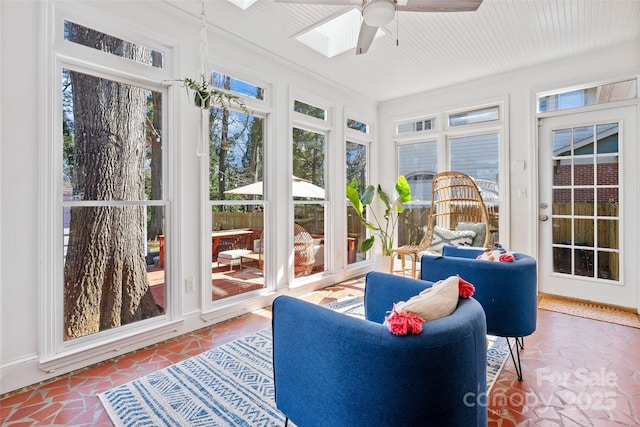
(519,89)
(19,179)
(22,181)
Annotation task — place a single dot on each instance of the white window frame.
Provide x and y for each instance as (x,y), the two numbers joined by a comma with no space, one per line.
(216,310)
(443,133)
(54,351)
(325,127)
(365,139)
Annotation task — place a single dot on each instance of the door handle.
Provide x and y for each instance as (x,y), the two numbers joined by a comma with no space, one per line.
(544,217)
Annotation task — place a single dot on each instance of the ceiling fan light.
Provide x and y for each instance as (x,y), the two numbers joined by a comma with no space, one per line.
(377,13)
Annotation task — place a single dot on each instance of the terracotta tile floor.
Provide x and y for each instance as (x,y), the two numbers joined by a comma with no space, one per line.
(577,372)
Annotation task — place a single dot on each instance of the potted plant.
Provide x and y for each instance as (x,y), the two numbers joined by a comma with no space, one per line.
(384,228)
(205,94)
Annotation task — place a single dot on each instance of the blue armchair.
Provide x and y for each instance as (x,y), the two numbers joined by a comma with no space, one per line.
(331,369)
(508,291)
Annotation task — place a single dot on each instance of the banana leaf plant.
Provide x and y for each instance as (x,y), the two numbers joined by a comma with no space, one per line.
(385,227)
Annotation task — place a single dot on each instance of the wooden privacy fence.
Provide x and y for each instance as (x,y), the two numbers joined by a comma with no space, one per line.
(607,228)
(233,220)
(608,235)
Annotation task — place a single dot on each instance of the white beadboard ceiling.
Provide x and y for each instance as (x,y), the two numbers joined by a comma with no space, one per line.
(434,49)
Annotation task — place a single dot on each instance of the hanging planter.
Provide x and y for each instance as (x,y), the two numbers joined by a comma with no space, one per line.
(205,95)
(202,99)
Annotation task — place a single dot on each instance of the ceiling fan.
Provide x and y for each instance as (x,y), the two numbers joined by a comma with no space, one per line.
(376,13)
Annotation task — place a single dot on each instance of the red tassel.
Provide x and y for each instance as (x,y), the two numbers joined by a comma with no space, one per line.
(403,323)
(465,289)
(506,258)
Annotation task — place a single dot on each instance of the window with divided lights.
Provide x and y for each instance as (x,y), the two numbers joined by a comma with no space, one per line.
(309,205)
(586,201)
(309,154)
(113,204)
(357,170)
(476,154)
(357,157)
(415,126)
(236,194)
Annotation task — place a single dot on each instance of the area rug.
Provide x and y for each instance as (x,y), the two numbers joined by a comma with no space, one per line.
(229,385)
(589,310)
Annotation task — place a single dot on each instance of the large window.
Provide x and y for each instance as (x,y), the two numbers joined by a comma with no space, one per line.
(418,162)
(112,206)
(479,157)
(466,141)
(309,152)
(310,207)
(236,195)
(357,172)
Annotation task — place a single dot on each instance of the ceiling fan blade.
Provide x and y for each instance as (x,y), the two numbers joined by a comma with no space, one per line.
(438,5)
(365,38)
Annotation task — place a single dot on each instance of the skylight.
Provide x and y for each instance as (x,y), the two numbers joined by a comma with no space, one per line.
(243,4)
(336,35)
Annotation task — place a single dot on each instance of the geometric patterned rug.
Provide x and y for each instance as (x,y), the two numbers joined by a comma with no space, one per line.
(229,385)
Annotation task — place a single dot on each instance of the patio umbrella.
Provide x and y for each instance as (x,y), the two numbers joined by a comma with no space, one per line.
(301,188)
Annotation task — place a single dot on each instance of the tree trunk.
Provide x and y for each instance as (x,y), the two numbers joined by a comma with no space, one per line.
(105,280)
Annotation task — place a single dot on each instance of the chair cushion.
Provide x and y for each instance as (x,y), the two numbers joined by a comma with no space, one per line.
(480,228)
(232,255)
(443,236)
(435,302)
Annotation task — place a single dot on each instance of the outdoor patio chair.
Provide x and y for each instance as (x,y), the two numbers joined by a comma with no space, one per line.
(456,205)
(303,251)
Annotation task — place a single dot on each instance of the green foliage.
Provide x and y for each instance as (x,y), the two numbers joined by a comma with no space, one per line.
(205,95)
(308,155)
(235,152)
(383,227)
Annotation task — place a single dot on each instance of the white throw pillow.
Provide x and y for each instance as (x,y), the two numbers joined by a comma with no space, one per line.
(443,236)
(480,228)
(435,302)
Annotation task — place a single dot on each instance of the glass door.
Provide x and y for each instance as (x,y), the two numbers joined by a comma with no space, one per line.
(588,187)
